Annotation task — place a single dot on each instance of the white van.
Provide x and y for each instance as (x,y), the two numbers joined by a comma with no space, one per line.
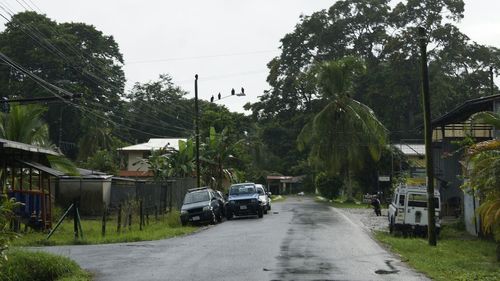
(408,209)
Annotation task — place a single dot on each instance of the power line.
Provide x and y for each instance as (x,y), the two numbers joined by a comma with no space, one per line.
(200,57)
(39,38)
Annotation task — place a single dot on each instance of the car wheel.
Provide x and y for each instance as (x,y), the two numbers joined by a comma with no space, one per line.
(219,216)
(265,210)
(213,220)
(229,215)
(260,213)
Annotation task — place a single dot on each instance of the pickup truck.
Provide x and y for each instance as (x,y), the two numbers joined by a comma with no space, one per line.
(244,201)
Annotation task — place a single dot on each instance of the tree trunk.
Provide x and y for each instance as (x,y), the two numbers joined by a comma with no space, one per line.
(349,187)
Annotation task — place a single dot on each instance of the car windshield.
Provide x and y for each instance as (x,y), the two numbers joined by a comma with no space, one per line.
(194,197)
(242,189)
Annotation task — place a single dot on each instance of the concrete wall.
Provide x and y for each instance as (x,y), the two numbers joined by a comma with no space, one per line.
(472,223)
(135,157)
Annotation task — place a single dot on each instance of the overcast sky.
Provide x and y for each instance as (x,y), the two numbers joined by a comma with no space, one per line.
(228,43)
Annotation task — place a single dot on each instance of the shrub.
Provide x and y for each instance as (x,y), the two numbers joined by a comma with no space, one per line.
(173,218)
(329,187)
(6,235)
(39,266)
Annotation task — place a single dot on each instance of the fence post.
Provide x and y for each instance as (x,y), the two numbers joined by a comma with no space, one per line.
(129,219)
(75,220)
(141,215)
(104,211)
(119,220)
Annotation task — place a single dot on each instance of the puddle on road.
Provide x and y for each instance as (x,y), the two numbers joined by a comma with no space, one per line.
(383,271)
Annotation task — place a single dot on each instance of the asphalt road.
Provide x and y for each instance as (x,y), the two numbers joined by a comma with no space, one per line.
(299,240)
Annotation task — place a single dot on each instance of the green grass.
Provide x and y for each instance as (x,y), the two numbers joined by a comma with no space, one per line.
(166,227)
(457,255)
(39,266)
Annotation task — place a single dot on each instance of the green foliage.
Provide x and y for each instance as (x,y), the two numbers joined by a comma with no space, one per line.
(344,130)
(452,259)
(328,186)
(167,226)
(483,161)
(24,124)
(104,161)
(383,35)
(40,266)
(74,56)
(7,207)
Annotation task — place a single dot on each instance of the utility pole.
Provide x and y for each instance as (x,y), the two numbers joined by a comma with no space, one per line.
(431,223)
(197,131)
(491,81)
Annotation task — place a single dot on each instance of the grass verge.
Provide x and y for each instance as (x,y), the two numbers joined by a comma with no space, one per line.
(39,266)
(457,256)
(165,227)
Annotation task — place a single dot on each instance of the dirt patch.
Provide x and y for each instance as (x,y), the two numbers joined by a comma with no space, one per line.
(367,218)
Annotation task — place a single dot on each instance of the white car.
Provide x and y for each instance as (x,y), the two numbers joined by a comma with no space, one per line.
(264,197)
(408,210)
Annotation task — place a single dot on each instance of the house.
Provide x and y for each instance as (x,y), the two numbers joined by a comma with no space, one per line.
(133,156)
(415,153)
(284,184)
(448,131)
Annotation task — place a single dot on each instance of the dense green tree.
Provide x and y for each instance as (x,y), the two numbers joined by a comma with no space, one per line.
(383,34)
(160,108)
(344,130)
(73,56)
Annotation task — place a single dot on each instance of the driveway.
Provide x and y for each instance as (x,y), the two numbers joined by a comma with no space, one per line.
(299,240)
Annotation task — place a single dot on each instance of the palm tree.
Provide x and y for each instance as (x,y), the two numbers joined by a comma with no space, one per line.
(24,124)
(483,161)
(345,129)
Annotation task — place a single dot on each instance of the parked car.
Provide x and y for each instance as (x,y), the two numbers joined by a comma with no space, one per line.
(222,202)
(408,209)
(264,197)
(201,205)
(244,201)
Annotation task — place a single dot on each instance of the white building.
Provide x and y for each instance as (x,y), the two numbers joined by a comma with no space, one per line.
(134,156)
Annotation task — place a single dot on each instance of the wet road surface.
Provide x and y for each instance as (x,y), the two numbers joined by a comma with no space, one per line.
(299,240)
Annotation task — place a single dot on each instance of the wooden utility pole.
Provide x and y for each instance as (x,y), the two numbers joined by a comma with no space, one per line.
(431,223)
(197,131)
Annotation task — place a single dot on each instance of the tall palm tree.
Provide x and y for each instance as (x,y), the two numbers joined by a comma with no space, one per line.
(345,129)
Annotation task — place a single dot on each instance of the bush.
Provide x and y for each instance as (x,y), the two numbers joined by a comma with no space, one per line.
(173,219)
(328,187)
(40,266)
(6,235)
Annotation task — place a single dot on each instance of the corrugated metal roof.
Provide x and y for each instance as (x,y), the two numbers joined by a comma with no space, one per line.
(26,147)
(411,148)
(155,144)
(43,168)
